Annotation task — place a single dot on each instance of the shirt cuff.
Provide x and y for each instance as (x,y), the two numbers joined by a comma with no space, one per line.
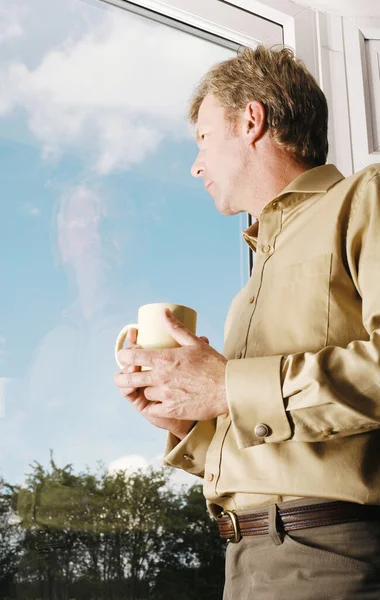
(189,454)
(255,401)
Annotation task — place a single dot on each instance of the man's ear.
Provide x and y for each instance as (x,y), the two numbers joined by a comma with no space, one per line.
(254,121)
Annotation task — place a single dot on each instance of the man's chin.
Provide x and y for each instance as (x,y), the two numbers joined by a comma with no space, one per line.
(224,208)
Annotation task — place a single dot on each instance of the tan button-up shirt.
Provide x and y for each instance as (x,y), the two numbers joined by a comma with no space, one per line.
(302,340)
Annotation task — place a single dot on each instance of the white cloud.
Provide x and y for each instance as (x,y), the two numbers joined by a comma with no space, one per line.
(129,464)
(135,462)
(117,91)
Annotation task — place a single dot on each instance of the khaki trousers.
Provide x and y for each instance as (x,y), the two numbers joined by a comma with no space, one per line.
(334,562)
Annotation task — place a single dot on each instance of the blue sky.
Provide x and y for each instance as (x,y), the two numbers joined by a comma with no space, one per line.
(99,214)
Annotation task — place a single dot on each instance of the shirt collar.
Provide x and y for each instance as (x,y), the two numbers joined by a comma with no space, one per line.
(313,181)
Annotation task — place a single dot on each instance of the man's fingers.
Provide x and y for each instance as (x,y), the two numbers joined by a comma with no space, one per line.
(134,380)
(137,356)
(156,409)
(130,369)
(178,331)
(132,335)
(127,392)
(155,394)
(205,339)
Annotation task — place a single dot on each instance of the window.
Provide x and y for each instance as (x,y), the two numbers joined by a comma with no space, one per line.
(99,215)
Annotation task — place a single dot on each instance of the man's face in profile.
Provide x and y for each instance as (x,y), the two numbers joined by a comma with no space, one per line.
(221,157)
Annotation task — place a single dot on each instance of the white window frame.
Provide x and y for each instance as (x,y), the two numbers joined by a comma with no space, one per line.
(359,96)
(373,64)
(214,17)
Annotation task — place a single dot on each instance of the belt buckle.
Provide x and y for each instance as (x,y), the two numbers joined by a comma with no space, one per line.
(235,525)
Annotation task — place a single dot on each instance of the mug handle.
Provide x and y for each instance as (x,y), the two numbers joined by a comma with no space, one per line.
(121,339)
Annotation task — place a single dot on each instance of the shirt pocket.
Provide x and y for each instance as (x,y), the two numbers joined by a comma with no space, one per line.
(296,305)
(316,266)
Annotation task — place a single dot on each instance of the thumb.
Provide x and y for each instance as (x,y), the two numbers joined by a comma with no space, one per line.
(178,331)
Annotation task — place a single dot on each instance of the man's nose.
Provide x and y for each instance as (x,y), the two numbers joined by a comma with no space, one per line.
(197,169)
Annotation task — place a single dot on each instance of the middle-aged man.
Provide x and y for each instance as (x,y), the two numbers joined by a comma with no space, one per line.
(284,427)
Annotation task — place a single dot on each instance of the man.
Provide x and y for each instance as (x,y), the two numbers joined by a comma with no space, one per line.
(285,426)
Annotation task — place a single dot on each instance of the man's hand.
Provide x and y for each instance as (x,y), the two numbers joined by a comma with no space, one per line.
(185,384)
(138,400)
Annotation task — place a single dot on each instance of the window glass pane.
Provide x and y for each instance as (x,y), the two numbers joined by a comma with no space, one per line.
(99,214)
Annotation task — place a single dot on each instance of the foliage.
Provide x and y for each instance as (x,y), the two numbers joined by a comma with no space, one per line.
(95,536)
(9,542)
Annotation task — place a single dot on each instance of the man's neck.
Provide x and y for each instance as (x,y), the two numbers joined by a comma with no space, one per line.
(280,183)
(278,169)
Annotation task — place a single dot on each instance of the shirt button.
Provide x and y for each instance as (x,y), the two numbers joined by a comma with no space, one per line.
(265,248)
(210,477)
(327,432)
(188,456)
(262,430)
(251,300)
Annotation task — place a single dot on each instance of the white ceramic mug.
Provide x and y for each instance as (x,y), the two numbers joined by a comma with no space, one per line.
(151,332)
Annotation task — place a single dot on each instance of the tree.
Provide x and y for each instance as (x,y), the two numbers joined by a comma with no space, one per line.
(47,507)
(102,536)
(195,564)
(9,542)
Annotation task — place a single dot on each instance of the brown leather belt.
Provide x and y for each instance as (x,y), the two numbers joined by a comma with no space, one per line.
(232,526)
